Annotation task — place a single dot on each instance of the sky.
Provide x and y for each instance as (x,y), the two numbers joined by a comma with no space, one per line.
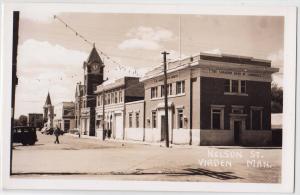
(50,56)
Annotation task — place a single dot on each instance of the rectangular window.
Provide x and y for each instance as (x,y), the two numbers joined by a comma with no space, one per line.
(153,92)
(112,97)
(162,90)
(243,86)
(217,117)
(137,119)
(237,110)
(153,119)
(169,88)
(227,86)
(234,86)
(116,97)
(180,118)
(108,98)
(180,87)
(120,96)
(256,119)
(130,119)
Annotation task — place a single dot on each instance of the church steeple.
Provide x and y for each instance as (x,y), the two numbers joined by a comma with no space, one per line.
(48,100)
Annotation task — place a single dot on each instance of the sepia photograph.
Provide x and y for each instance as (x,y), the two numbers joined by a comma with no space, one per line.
(163,97)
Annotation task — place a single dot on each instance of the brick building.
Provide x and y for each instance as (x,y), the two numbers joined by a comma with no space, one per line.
(85,98)
(116,95)
(213,100)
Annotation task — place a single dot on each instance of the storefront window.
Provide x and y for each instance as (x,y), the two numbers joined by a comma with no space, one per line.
(137,119)
(217,118)
(130,119)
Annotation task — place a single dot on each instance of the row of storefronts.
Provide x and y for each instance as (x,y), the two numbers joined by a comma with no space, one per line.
(213,100)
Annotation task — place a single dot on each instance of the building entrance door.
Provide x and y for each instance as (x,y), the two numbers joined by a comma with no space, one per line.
(237,129)
(119,126)
(163,129)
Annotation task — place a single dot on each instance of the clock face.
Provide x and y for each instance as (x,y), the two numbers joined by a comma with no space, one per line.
(95,67)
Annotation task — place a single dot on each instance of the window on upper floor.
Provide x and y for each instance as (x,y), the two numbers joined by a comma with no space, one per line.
(120,96)
(112,97)
(153,92)
(235,86)
(180,87)
(116,97)
(169,89)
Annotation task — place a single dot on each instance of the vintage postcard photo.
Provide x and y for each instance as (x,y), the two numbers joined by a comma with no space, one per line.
(186,98)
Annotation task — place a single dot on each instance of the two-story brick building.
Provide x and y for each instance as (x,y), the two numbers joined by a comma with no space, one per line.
(213,100)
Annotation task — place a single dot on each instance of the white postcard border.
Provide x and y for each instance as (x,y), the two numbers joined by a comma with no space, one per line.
(289,84)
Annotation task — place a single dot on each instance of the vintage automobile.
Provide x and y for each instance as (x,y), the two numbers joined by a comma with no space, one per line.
(25,135)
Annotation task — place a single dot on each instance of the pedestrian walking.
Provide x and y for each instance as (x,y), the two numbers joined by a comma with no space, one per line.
(57,132)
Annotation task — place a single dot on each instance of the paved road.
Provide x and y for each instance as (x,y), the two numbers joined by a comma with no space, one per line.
(91,158)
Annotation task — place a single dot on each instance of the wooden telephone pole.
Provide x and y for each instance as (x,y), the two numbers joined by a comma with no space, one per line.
(166,98)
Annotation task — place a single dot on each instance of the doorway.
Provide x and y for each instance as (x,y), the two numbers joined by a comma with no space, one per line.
(163,128)
(237,126)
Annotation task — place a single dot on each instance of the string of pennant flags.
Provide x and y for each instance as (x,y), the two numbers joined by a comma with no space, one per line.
(119,67)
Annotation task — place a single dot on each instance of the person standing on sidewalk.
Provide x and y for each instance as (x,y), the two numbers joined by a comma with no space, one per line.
(57,134)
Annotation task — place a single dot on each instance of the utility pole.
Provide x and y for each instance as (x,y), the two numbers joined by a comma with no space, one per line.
(166,98)
(103,109)
(16,15)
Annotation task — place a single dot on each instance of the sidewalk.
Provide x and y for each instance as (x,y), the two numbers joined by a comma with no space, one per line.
(162,144)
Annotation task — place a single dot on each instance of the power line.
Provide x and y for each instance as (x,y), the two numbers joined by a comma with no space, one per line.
(103,54)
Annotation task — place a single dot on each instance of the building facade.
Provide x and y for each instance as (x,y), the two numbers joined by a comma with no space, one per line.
(35,120)
(212,100)
(85,97)
(78,104)
(111,100)
(65,116)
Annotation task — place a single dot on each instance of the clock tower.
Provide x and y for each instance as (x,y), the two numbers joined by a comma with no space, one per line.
(93,76)
(93,72)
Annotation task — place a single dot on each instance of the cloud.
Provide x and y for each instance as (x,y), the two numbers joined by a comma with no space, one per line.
(36,15)
(214,51)
(44,67)
(146,38)
(276,57)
